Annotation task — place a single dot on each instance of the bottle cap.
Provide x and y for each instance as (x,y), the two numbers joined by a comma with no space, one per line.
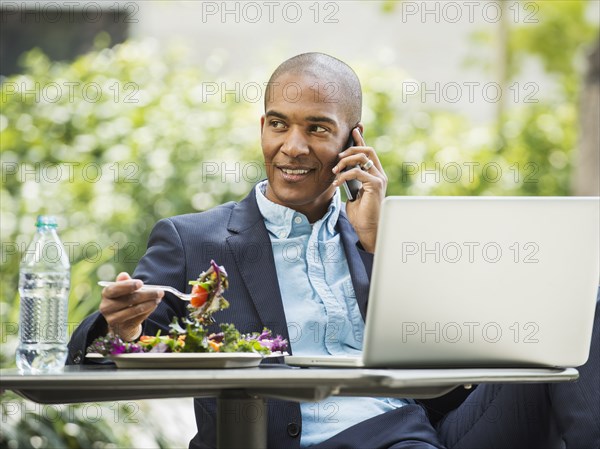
(46,221)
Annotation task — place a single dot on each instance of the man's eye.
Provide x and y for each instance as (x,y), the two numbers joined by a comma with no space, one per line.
(276,124)
(318,129)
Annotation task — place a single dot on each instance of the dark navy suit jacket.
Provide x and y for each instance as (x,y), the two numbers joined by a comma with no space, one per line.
(234,235)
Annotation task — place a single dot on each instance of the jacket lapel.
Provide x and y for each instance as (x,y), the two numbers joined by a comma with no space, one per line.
(360,280)
(250,244)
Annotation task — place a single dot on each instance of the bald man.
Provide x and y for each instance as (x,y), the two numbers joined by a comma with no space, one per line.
(312,107)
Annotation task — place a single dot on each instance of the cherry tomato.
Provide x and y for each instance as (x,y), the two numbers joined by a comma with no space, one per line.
(199,296)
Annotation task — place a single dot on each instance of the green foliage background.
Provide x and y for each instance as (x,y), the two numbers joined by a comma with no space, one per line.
(136,162)
(132,161)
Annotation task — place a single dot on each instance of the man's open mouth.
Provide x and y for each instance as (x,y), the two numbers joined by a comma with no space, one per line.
(296,171)
(295,174)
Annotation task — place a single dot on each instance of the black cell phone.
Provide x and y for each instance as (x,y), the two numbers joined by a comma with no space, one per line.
(353,186)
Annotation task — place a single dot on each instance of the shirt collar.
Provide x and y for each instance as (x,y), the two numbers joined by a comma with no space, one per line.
(279,219)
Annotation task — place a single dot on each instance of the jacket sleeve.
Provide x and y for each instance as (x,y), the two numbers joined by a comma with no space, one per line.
(92,327)
(164,264)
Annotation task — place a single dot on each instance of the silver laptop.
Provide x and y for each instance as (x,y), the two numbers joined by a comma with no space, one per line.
(480,282)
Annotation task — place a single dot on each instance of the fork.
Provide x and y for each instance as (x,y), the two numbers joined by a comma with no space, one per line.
(183,296)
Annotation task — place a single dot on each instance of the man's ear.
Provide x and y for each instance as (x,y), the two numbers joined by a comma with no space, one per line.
(262,124)
(361,128)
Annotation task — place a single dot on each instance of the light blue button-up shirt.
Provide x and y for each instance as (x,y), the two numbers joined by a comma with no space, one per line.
(320,306)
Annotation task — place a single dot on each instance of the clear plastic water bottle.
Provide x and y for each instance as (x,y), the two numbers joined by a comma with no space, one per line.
(44,280)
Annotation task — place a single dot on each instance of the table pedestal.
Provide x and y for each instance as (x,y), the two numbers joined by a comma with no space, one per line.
(241,421)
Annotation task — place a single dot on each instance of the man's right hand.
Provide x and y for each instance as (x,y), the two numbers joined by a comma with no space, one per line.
(125,308)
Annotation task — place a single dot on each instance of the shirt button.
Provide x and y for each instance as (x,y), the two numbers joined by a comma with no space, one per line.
(293,429)
(282,235)
(298,220)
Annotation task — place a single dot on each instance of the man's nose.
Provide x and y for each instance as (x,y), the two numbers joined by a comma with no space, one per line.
(294,144)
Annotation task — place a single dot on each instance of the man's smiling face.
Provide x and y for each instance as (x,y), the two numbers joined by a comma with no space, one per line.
(302,132)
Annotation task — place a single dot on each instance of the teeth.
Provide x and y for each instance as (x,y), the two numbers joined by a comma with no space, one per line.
(294,172)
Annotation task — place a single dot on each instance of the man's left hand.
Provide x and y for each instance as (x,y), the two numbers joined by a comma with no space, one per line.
(363,212)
